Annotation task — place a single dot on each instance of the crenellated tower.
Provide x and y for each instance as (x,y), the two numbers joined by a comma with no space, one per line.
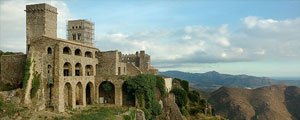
(41,19)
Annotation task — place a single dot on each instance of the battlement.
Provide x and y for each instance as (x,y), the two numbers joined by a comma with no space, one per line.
(40,7)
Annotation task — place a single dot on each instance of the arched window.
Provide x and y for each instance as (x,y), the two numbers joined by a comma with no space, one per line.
(78,52)
(89,70)
(67,69)
(49,69)
(50,72)
(49,50)
(88,54)
(78,69)
(66,50)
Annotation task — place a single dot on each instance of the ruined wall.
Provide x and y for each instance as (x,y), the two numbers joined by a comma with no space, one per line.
(141,60)
(12,69)
(144,64)
(132,70)
(168,84)
(107,63)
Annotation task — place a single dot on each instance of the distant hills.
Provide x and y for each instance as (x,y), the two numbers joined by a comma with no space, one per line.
(277,102)
(213,80)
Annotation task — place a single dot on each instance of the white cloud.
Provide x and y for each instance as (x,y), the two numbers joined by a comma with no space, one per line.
(270,38)
(202,44)
(12,22)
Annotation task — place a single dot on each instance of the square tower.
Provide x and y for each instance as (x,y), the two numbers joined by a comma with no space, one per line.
(41,19)
(81,31)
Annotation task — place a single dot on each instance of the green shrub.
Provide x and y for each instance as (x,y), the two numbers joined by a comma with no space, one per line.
(184,111)
(8,108)
(127,117)
(180,97)
(185,85)
(26,73)
(147,114)
(156,108)
(196,110)
(160,84)
(194,96)
(143,87)
(107,87)
(35,84)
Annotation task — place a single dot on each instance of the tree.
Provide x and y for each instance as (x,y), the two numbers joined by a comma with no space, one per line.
(180,97)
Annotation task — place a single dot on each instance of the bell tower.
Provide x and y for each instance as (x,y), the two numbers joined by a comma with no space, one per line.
(81,31)
(41,19)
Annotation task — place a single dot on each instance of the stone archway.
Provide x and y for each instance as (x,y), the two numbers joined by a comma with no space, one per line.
(128,98)
(68,95)
(107,92)
(89,92)
(79,94)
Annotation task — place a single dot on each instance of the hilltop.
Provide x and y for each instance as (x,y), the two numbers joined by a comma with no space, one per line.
(277,102)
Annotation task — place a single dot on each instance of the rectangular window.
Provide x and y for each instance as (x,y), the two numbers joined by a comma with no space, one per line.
(77,72)
(78,36)
(74,36)
(66,72)
(119,70)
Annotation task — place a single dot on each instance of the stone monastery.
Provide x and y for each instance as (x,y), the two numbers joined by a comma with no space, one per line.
(71,71)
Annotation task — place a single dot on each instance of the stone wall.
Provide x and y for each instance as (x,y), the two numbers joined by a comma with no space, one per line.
(12,69)
(132,70)
(41,19)
(168,84)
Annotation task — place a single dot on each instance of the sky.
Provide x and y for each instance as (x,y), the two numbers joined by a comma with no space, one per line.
(255,37)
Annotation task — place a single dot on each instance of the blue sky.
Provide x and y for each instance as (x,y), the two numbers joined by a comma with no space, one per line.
(236,37)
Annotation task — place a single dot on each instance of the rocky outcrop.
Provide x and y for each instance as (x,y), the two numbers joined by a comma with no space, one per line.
(140,115)
(171,110)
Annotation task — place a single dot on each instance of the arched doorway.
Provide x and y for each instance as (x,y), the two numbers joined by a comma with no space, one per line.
(127,96)
(68,95)
(107,92)
(89,92)
(79,95)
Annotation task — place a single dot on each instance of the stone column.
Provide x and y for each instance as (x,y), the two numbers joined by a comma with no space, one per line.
(73,88)
(118,95)
(84,93)
(61,105)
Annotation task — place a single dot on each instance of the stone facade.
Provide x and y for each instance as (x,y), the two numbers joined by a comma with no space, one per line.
(73,72)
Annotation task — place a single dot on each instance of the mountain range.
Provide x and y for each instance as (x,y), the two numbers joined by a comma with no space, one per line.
(213,80)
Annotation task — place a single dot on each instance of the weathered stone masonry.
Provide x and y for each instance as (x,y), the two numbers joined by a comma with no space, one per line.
(73,71)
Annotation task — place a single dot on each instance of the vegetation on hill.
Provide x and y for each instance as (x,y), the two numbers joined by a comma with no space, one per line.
(190,102)
(8,108)
(143,87)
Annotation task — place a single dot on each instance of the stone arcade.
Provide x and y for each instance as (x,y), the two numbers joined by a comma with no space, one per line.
(72,71)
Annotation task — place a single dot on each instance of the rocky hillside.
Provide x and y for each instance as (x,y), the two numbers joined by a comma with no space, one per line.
(276,102)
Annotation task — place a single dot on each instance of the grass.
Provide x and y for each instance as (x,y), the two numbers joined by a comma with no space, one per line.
(8,108)
(99,113)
